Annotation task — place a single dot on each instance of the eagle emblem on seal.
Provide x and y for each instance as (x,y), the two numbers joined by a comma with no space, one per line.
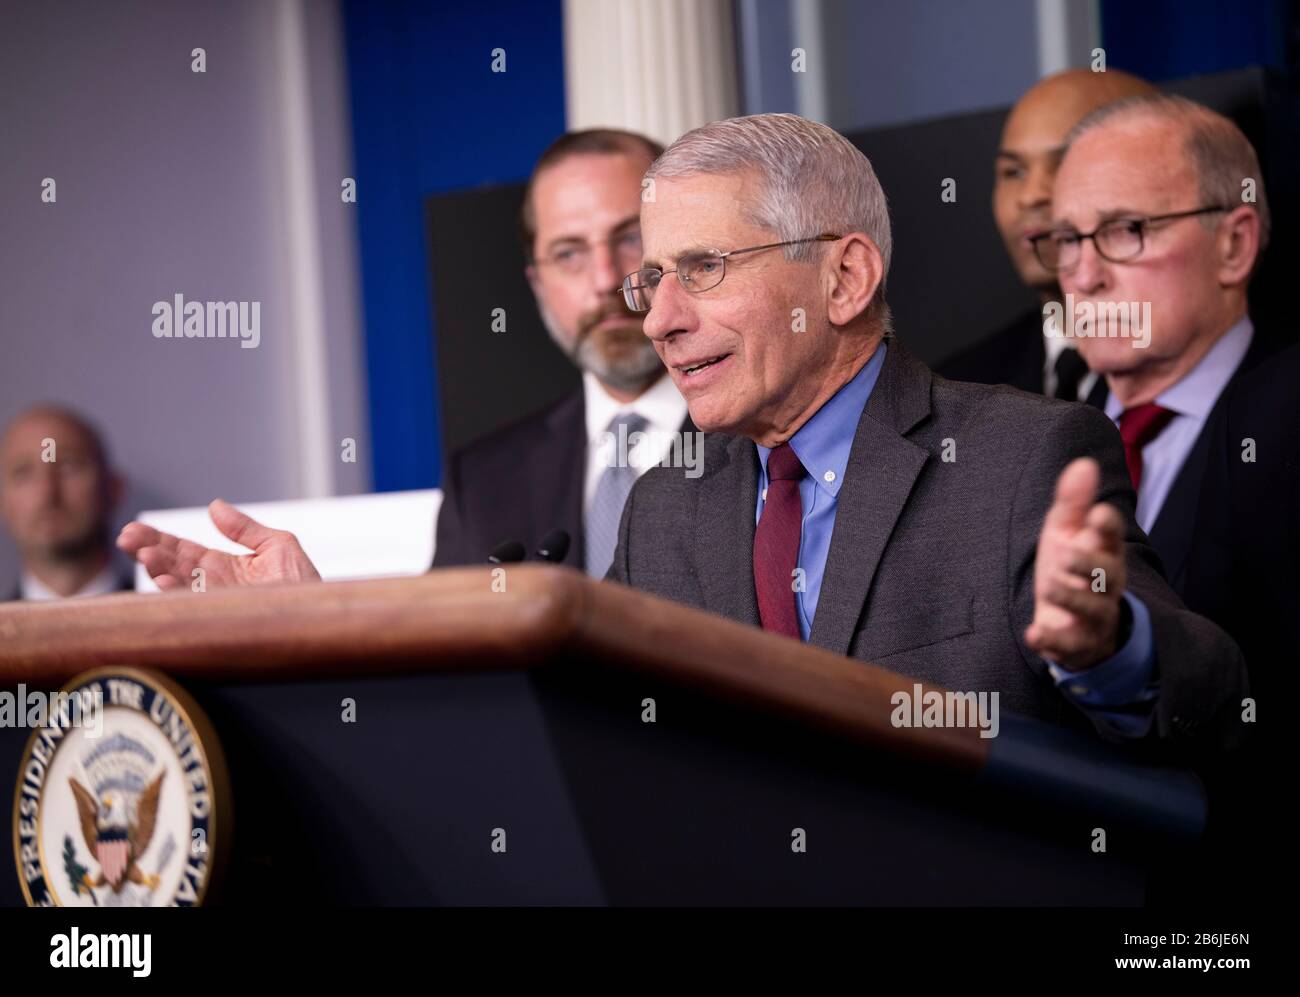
(117,833)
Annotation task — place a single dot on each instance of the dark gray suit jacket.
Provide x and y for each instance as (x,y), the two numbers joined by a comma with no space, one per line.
(930,569)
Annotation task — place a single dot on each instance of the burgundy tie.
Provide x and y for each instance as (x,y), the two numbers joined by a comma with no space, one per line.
(776,543)
(1138,426)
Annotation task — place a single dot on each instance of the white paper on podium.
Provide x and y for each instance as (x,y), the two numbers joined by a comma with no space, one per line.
(384,535)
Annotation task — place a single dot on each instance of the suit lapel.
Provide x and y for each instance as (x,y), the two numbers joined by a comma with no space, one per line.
(724,531)
(1173,532)
(558,472)
(1099,393)
(1028,373)
(883,467)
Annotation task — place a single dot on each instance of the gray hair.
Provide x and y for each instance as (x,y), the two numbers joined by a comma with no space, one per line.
(1219,152)
(812,180)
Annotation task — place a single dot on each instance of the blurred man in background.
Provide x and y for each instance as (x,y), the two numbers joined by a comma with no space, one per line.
(57,495)
(1033,141)
(1153,227)
(581,232)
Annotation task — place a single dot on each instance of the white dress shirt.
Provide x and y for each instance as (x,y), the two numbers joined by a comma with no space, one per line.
(1053,347)
(35,590)
(663,408)
(1192,399)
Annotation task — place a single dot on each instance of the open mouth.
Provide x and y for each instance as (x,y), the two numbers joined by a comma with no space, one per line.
(694,369)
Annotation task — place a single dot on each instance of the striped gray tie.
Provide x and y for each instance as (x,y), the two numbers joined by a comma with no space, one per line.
(611,492)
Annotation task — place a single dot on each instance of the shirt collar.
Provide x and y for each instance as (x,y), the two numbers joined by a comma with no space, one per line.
(823,443)
(104,583)
(1054,343)
(662,406)
(1198,390)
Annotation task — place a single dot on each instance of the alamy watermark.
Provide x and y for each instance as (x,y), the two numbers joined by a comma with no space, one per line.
(181,319)
(1098,320)
(935,708)
(644,449)
(34,708)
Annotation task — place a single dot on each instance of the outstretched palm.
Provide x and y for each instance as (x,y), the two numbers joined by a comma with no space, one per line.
(171,562)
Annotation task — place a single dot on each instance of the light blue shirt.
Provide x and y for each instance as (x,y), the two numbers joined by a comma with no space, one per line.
(1191,399)
(822,445)
(1118,693)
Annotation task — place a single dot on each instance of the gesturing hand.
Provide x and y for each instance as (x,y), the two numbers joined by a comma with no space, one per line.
(1076,610)
(276,555)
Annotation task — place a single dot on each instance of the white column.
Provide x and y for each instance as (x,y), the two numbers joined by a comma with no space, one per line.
(659,67)
(1068,31)
(304,281)
(811,88)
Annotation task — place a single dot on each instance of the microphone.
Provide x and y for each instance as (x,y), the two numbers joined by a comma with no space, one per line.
(507,552)
(554,546)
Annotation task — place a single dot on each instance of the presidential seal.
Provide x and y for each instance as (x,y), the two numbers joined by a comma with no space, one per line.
(122,798)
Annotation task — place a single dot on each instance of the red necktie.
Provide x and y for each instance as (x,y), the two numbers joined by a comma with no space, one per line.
(776,543)
(1138,426)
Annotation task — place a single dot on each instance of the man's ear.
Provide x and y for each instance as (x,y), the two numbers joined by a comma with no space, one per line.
(1238,244)
(530,272)
(855,271)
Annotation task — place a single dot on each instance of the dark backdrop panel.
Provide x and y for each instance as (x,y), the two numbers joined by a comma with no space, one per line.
(486,378)
(951,283)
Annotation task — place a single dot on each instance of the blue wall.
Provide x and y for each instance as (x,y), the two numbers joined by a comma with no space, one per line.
(429,116)
(1167,39)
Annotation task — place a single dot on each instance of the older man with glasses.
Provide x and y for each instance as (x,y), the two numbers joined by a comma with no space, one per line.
(1160,210)
(975,537)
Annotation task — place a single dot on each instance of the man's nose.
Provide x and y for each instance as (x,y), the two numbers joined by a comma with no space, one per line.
(1090,275)
(604,272)
(670,311)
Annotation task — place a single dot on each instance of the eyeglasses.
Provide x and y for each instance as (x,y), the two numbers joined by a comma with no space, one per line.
(695,272)
(574,258)
(1118,240)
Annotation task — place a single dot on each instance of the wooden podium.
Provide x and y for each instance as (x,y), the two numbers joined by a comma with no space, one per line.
(515,703)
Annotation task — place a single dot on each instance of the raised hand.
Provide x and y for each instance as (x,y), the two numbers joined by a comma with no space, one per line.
(276,554)
(1076,609)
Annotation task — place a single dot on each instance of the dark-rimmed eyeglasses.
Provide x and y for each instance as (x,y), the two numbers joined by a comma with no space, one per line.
(695,272)
(1118,240)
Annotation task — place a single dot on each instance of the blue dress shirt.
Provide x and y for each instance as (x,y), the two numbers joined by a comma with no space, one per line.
(1118,693)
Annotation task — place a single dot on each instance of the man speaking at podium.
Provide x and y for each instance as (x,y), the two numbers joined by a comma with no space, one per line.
(972,536)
